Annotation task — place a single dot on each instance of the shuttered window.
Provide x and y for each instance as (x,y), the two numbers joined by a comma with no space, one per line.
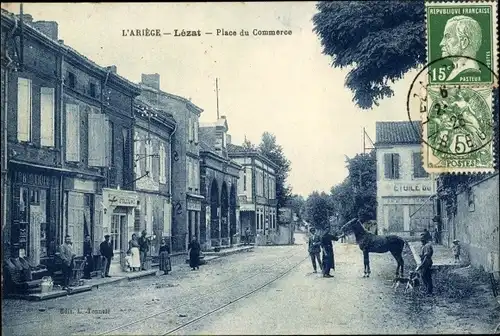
(47,108)
(167,218)
(98,130)
(24,109)
(98,228)
(148,158)
(110,148)
(391,165)
(137,161)
(190,130)
(163,173)
(196,129)
(72,133)
(196,172)
(76,214)
(418,167)
(155,162)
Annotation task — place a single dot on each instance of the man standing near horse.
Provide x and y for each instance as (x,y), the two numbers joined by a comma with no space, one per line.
(425,266)
(314,248)
(328,257)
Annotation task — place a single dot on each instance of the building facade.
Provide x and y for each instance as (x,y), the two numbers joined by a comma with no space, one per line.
(404,189)
(186,194)
(219,225)
(256,193)
(69,144)
(152,167)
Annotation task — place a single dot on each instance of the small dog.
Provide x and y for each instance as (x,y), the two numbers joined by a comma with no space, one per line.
(410,283)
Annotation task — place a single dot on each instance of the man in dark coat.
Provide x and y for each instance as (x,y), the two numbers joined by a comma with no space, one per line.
(425,266)
(106,250)
(314,248)
(89,257)
(194,250)
(328,257)
(144,244)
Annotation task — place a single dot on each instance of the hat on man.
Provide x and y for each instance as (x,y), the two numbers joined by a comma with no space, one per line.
(456,241)
(106,236)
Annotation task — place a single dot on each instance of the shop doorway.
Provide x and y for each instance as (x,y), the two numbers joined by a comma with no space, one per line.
(118,232)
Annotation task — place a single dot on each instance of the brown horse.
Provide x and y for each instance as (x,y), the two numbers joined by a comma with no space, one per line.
(369,242)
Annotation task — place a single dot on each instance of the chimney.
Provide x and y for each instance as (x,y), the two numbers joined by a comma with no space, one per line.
(112,68)
(27,18)
(228,139)
(151,80)
(49,28)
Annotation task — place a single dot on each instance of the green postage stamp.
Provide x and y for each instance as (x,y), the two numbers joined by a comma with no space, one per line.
(462,42)
(457,120)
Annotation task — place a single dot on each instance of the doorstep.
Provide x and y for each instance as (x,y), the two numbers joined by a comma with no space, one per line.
(88,285)
(442,258)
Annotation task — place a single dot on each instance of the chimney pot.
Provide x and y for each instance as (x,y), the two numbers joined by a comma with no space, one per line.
(48,28)
(228,139)
(25,17)
(112,68)
(151,80)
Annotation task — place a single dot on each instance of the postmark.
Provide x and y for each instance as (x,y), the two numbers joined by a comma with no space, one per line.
(457,124)
(461,34)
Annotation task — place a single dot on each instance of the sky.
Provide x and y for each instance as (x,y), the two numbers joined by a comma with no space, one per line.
(280,84)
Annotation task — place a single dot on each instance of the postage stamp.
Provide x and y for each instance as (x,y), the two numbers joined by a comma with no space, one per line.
(457,130)
(466,30)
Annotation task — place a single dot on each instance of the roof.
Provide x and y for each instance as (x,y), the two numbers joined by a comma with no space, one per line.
(239,151)
(398,132)
(232,148)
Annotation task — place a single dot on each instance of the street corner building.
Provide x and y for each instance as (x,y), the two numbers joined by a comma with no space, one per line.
(220,213)
(185,195)
(405,191)
(69,144)
(256,194)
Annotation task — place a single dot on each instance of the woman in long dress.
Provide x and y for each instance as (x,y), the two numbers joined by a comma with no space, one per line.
(133,247)
(164,254)
(194,254)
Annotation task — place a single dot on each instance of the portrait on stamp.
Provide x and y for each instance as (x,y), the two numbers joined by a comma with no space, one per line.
(464,37)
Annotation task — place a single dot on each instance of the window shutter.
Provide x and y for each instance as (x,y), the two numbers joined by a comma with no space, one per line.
(72,133)
(196,128)
(24,109)
(155,164)
(47,104)
(396,165)
(98,127)
(137,219)
(387,165)
(167,218)
(162,163)
(190,130)
(137,162)
(98,231)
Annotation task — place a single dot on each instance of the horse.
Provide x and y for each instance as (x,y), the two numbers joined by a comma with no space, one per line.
(369,242)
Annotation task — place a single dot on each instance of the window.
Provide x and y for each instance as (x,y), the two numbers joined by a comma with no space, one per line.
(391,165)
(71,80)
(98,139)
(188,171)
(92,90)
(72,133)
(137,160)
(115,232)
(196,175)
(190,129)
(196,129)
(149,158)
(111,144)
(24,109)
(418,167)
(47,105)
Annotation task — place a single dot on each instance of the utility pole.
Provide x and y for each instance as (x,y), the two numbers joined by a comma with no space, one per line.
(365,136)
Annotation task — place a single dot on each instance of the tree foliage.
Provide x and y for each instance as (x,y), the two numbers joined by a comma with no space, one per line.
(380,40)
(318,209)
(274,152)
(298,205)
(356,196)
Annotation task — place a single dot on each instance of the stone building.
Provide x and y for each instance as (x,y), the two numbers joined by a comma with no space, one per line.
(256,193)
(154,129)
(404,188)
(69,144)
(186,194)
(219,181)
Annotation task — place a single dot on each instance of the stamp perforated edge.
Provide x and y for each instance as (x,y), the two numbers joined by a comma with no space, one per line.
(494,37)
(494,86)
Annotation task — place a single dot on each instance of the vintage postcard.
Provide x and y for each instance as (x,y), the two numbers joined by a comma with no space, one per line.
(286,168)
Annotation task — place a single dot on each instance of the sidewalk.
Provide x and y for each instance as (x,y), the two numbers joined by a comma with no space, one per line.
(442,258)
(177,261)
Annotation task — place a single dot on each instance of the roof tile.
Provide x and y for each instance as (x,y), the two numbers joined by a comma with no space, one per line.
(398,132)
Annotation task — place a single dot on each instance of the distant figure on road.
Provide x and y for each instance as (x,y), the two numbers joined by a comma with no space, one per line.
(164,254)
(314,248)
(247,236)
(328,257)
(107,254)
(194,250)
(89,258)
(425,266)
(144,245)
(133,250)
(67,257)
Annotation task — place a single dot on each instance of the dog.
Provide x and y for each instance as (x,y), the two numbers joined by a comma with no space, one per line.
(410,283)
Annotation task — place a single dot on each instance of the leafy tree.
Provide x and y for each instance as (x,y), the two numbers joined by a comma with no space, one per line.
(247,144)
(274,152)
(379,40)
(318,209)
(356,196)
(298,205)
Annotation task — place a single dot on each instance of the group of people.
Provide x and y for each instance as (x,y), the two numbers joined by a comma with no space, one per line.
(320,249)
(136,256)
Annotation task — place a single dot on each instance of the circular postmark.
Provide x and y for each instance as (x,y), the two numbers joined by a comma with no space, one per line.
(458,119)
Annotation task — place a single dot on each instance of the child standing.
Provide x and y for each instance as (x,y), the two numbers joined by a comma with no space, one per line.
(456,250)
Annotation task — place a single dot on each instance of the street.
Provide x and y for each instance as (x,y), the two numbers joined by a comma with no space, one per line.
(299,302)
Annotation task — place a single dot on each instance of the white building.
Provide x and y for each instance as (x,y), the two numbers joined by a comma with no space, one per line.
(404,188)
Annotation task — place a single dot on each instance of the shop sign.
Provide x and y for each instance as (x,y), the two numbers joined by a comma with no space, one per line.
(33,179)
(116,199)
(412,188)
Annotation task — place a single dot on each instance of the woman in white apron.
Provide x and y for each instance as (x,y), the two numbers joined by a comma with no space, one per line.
(133,250)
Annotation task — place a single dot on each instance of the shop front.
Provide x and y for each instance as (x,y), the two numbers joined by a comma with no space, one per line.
(118,222)
(34,232)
